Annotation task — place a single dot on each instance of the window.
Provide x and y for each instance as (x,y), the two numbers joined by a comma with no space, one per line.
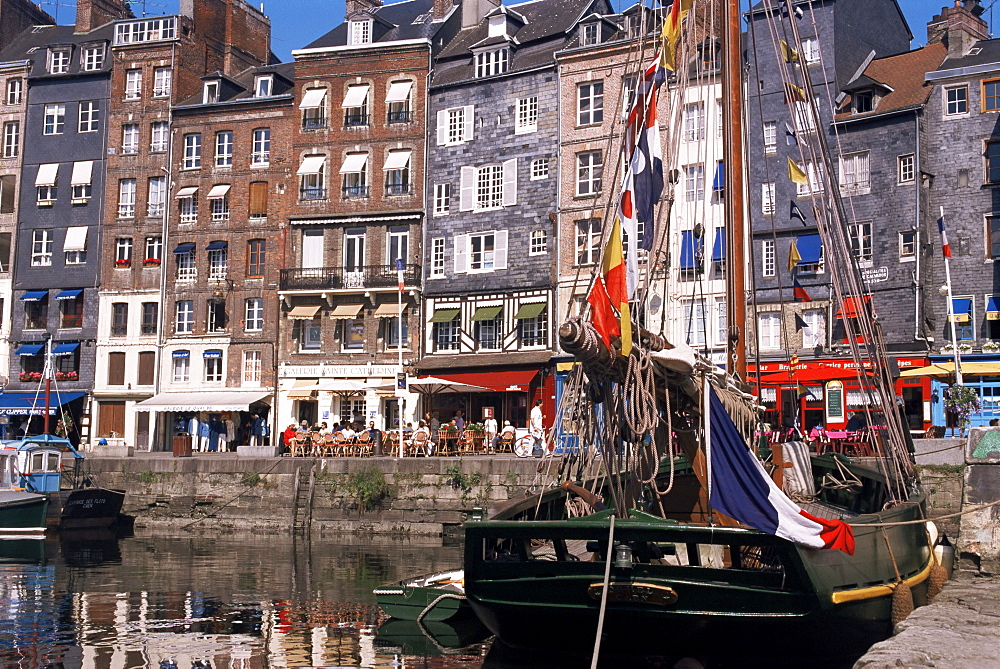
(539,169)
(356,106)
(991,95)
(133,84)
(442,199)
(814,179)
(721,322)
(313,108)
(182,366)
(956,100)
(261,155)
(489,187)
(810,50)
(36,314)
(538,243)
(119,319)
(487,333)
(482,251)
(254,319)
(361,31)
(455,125)
(814,334)
(489,63)
(89,116)
(993,236)
(312,175)
(590,103)
(256,256)
(123,251)
(14,88)
(210,93)
(589,169)
(157,196)
(768,257)
(58,61)
(437,257)
(220,207)
(218,261)
(355,171)
(527,115)
(45,183)
(392,337)
(588,241)
(907,244)
(75,245)
(147,368)
(186,269)
(311,334)
(855,174)
(397,173)
(258,200)
(8,182)
(150,318)
(590,35)
(993,162)
(446,335)
(154,248)
(802,115)
(158,136)
(263,84)
(11,139)
(126,198)
(217,320)
(55,119)
(116,373)
(398,102)
(770,137)
(769,331)
(162,81)
(184,321)
(189,208)
(130,138)
(192,151)
(694,322)
(212,360)
(767,198)
(694,183)
(907,168)
(251,367)
(41,248)
(861,241)
(533,330)
(397,245)
(223,149)
(148,30)
(694,122)
(354,334)
(71,312)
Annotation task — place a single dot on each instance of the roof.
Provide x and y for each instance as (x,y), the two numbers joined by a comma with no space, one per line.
(983,52)
(31,44)
(241,88)
(399,22)
(903,76)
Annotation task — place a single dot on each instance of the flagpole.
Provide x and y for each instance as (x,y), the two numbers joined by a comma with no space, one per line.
(399,348)
(951,302)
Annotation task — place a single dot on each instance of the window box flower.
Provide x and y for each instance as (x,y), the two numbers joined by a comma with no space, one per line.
(123,262)
(67,376)
(151,262)
(31,376)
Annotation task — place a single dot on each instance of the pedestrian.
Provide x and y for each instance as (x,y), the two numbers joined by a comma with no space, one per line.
(490,427)
(537,431)
(460,420)
(435,423)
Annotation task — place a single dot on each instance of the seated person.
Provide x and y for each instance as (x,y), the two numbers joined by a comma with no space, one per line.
(408,430)
(347,432)
(423,433)
(508,432)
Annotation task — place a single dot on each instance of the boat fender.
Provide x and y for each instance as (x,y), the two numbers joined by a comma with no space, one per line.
(902,603)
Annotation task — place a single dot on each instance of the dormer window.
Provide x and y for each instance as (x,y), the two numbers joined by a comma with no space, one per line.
(498,26)
(864,101)
(590,34)
(489,63)
(210,93)
(263,85)
(59,60)
(361,32)
(93,58)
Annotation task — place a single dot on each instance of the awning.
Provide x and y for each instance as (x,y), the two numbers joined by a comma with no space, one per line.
(216,246)
(83,171)
(719,182)
(302,393)
(346,311)
(444,315)
(948,369)
(397,160)
(852,307)
(992,310)
(214,354)
(810,249)
(690,250)
(961,308)
(304,312)
(218,192)
(354,162)
(311,165)
(23,404)
(512,380)
(530,310)
(69,294)
(66,349)
(202,401)
(486,313)
(47,174)
(34,296)
(388,310)
(29,349)
(76,238)
(356,96)
(184,247)
(313,99)
(399,91)
(719,249)
(187,191)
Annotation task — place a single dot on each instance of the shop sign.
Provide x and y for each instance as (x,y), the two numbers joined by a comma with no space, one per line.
(337,371)
(875,274)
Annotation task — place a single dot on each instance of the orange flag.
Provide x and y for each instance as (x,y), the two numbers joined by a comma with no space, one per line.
(601,313)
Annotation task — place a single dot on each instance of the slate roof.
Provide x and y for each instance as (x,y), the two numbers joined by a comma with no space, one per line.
(398,18)
(243,84)
(988,52)
(904,74)
(32,44)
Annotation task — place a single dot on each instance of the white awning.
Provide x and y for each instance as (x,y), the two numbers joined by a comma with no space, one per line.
(397,160)
(354,162)
(76,238)
(399,91)
(47,174)
(82,173)
(218,191)
(346,311)
(312,165)
(187,191)
(231,400)
(356,96)
(313,98)
(304,312)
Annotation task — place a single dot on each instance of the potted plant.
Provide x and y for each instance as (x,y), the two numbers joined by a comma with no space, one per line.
(960,402)
(151,262)
(67,376)
(991,347)
(123,262)
(31,376)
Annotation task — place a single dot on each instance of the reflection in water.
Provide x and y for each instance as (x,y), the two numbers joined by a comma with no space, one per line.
(227,602)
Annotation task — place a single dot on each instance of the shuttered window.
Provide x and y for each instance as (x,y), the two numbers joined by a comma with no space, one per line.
(258,199)
(116,369)
(112,417)
(147,368)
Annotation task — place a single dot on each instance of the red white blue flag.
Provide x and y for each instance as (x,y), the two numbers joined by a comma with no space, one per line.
(399,272)
(945,246)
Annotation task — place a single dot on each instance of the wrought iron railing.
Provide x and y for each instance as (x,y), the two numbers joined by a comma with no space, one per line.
(361,278)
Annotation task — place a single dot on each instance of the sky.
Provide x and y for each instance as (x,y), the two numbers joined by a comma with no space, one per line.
(296,23)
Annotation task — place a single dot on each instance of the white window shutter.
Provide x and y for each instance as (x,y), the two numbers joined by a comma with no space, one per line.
(510,182)
(468,126)
(442,127)
(500,249)
(467,192)
(461,253)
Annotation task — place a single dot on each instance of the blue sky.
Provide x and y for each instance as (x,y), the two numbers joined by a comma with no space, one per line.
(295,23)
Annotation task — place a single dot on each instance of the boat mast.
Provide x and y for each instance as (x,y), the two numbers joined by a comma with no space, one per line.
(732,113)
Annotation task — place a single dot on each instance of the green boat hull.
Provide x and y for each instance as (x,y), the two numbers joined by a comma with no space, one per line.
(22,512)
(431,598)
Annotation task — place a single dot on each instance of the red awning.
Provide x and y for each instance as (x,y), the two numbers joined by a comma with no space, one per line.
(852,306)
(813,375)
(513,380)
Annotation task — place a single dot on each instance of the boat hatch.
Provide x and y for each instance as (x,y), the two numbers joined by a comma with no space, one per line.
(42,470)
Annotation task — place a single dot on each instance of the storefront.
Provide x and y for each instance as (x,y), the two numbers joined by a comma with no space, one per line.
(980,372)
(24,413)
(217,420)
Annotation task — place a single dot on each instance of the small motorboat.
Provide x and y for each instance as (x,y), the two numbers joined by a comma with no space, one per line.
(432,597)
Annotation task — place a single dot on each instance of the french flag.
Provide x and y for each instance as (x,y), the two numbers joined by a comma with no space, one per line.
(741,489)
(945,246)
(399,273)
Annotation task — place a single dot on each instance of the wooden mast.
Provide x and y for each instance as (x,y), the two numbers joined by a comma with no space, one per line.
(733,155)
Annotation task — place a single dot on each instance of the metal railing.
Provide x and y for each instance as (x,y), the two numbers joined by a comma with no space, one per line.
(397,189)
(368,276)
(355,191)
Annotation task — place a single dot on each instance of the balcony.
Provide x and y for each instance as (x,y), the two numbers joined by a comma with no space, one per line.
(314,123)
(362,278)
(355,191)
(397,189)
(312,193)
(400,116)
(354,120)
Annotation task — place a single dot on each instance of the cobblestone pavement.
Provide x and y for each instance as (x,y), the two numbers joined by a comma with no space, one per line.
(960,629)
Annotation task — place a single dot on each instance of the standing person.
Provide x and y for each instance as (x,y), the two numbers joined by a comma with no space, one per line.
(537,431)
(435,423)
(460,420)
(259,430)
(490,427)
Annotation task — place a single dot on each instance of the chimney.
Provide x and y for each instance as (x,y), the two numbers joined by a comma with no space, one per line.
(474,11)
(442,7)
(355,6)
(958,27)
(92,14)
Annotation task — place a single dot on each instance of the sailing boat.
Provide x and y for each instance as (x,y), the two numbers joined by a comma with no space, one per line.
(702,542)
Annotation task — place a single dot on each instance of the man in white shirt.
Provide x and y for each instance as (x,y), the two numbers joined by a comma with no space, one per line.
(490,426)
(536,428)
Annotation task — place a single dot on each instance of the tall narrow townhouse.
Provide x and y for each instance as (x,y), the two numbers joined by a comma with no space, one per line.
(358,168)
(158,61)
(837,39)
(490,271)
(59,236)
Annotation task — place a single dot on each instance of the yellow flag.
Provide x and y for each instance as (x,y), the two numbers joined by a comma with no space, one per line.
(788,53)
(672,33)
(793,256)
(796,173)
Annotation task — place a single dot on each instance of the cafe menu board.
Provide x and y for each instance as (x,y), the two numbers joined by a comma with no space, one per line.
(835,402)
